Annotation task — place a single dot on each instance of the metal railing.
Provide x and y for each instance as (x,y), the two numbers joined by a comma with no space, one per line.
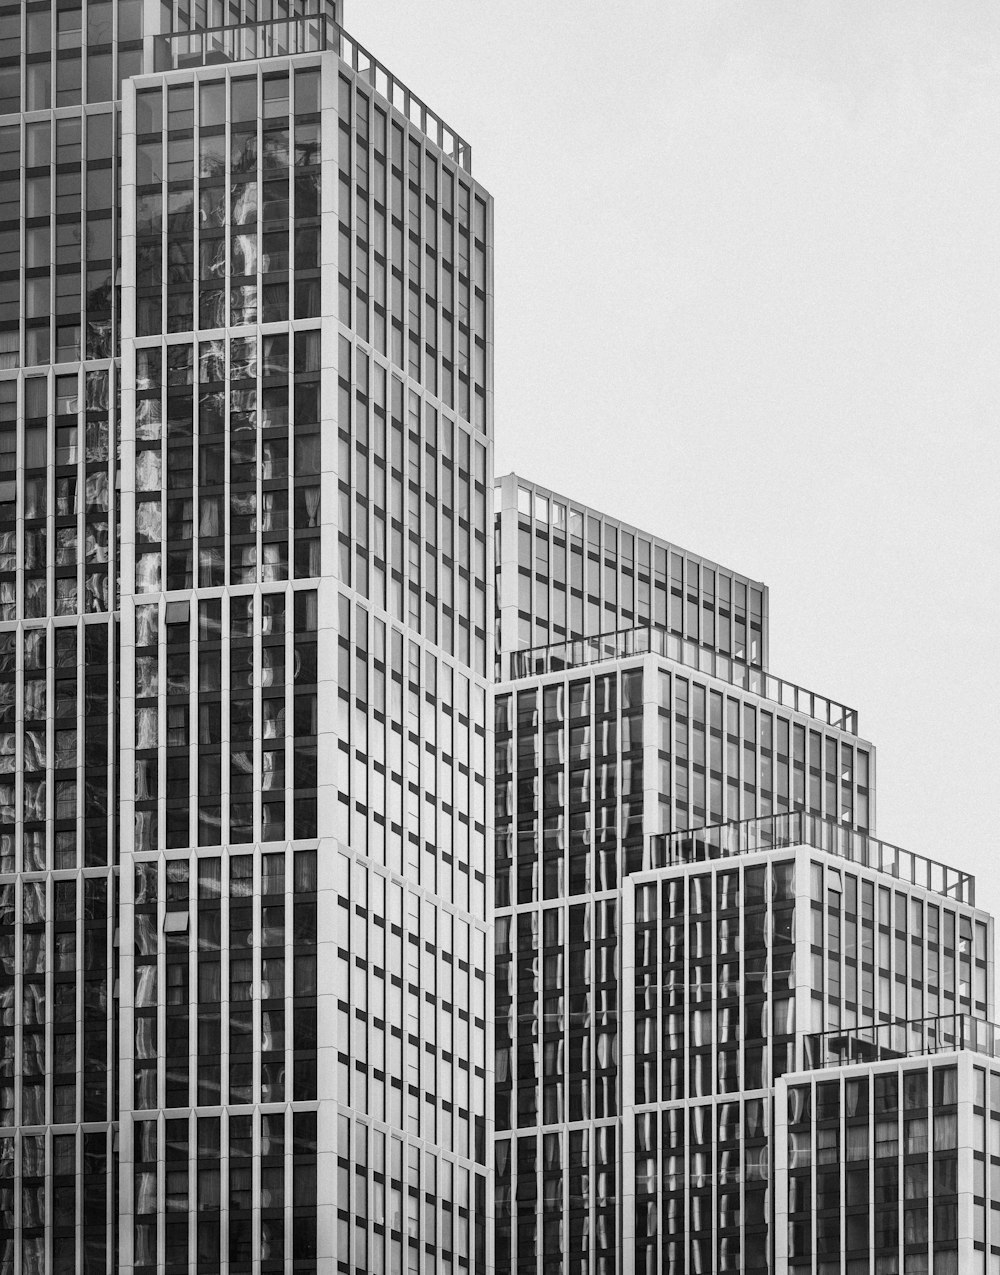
(280,37)
(883,1042)
(317,33)
(648,639)
(797,828)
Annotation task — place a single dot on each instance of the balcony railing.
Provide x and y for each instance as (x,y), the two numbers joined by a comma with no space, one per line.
(318,33)
(883,1042)
(797,828)
(647,639)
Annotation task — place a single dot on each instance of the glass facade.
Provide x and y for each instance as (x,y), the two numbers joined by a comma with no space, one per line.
(742,967)
(245,451)
(692,914)
(61,68)
(269,821)
(890,1168)
(565,571)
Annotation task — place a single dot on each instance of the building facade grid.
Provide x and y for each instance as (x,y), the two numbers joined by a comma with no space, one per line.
(244,580)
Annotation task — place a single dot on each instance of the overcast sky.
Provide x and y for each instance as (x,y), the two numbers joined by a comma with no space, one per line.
(748,297)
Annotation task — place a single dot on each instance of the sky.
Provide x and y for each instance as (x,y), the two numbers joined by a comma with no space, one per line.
(747,282)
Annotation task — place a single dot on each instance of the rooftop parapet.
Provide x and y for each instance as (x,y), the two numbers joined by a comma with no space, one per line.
(797,828)
(317,33)
(882,1042)
(647,639)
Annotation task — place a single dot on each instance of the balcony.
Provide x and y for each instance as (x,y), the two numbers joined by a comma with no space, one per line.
(646,639)
(776,832)
(883,1042)
(287,37)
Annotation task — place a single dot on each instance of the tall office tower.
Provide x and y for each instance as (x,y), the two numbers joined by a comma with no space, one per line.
(61,67)
(692,912)
(244,581)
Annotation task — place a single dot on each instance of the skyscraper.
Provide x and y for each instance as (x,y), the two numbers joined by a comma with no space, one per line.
(718,994)
(266,681)
(245,369)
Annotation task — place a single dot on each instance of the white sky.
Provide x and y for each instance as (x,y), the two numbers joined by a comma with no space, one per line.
(747,281)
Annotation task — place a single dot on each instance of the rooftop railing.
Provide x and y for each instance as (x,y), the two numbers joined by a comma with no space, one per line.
(317,33)
(647,639)
(280,37)
(883,1042)
(797,828)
